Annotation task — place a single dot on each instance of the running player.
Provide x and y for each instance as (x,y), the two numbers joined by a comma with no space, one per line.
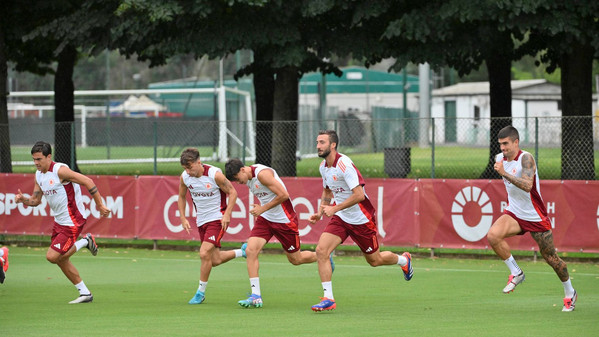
(61,187)
(275,216)
(352,215)
(208,188)
(525,213)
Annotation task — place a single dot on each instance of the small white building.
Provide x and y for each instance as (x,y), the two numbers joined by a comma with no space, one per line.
(463,111)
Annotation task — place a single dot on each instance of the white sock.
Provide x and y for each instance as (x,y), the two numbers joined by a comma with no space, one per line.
(202,286)
(401,260)
(568,289)
(1,252)
(514,268)
(255,284)
(327,287)
(82,288)
(81,243)
(238,252)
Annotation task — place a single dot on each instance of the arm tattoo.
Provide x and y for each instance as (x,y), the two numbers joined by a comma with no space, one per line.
(327,200)
(528,173)
(93,190)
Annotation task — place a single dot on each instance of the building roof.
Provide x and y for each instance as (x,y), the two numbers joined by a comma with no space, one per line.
(358,80)
(521,89)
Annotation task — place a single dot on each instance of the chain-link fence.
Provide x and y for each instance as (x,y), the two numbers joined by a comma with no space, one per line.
(564,147)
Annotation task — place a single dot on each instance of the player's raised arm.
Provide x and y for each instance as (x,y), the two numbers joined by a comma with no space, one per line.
(66,174)
(267,178)
(34,200)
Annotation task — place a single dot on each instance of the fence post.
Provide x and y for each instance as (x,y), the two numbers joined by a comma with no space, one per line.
(108,130)
(433,150)
(72,144)
(155,147)
(537,141)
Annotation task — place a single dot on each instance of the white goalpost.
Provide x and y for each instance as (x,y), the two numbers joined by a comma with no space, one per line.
(25,98)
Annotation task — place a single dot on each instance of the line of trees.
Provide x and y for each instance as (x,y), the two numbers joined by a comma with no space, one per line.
(290,38)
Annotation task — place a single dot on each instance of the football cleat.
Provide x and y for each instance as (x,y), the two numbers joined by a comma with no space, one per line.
(252,301)
(332,262)
(4,259)
(243,248)
(91,244)
(83,299)
(408,272)
(513,281)
(198,298)
(570,303)
(325,304)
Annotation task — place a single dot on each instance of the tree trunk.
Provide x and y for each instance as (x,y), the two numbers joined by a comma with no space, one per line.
(577,132)
(284,140)
(499,68)
(5,157)
(64,115)
(264,87)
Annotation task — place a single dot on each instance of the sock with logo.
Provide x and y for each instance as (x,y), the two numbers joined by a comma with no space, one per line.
(202,286)
(82,288)
(238,252)
(327,288)
(255,284)
(401,260)
(514,268)
(81,243)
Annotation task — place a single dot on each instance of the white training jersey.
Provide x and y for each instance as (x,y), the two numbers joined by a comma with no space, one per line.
(341,178)
(208,199)
(64,198)
(527,206)
(282,213)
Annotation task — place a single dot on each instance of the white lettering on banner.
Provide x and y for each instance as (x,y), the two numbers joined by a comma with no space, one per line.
(8,204)
(597,216)
(379,211)
(552,220)
(303,215)
(236,214)
(550,207)
(172,200)
(503,206)
(472,197)
(250,202)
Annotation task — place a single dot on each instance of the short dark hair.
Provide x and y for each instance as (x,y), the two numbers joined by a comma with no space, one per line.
(232,167)
(508,131)
(189,155)
(333,138)
(43,147)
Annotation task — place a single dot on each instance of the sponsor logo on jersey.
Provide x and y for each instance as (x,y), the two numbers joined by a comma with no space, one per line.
(190,187)
(203,194)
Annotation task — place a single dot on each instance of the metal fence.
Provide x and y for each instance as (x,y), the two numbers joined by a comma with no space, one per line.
(381,147)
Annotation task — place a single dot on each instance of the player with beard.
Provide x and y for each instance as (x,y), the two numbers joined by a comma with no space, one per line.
(352,215)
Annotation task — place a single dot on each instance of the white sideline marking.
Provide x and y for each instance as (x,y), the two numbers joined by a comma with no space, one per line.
(365,265)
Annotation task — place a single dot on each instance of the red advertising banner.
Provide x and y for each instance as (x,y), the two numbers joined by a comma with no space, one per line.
(427,213)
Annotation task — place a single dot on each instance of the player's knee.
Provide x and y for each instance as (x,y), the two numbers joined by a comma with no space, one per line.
(52,259)
(294,260)
(251,251)
(322,253)
(205,255)
(374,263)
(493,237)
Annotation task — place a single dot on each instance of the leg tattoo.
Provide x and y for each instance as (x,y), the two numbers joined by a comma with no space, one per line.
(547,249)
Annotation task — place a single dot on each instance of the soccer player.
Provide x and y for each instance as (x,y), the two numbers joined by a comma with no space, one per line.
(208,188)
(352,214)
(3,263)
(275,216)
(525,213)
(62,188)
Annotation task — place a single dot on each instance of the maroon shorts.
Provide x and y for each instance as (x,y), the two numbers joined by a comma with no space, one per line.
(530,226)
(286,233)
(64,237)
(211,232)
(364,235)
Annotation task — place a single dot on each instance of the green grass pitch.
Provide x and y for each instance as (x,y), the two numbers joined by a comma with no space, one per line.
(144,293)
